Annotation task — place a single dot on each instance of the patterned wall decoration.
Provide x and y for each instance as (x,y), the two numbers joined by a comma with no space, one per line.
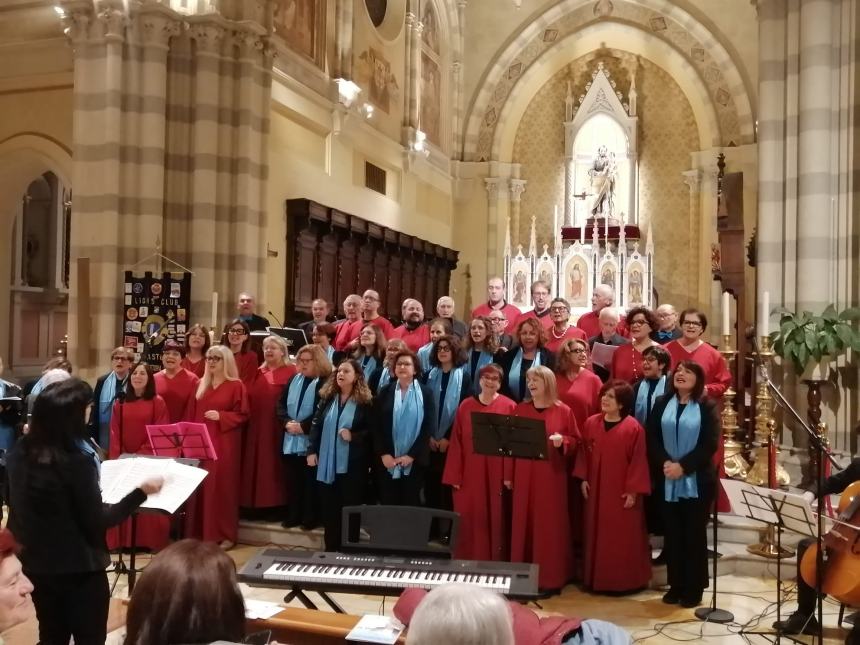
(493,99)
(667,136)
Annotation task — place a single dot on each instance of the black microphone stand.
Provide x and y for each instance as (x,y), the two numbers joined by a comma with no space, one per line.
(822,452)
(119,567)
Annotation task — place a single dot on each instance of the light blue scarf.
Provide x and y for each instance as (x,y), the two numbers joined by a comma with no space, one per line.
(368,365)
(334,451)
(679,439)
(449,406)
(384,379)
(424,357)
(330,353)
(106,398)
(514,374)
(408,418)
(300,406)
(484,358)
(7,432)
(640,409)
(89,449)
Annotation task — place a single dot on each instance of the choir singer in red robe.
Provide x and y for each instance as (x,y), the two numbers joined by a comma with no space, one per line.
(222,404)
(613,466)
(237,336)
(477,480)
(128,423)
(175,384)
(262,467)
(196,346)
(540,524)
(627,360)
(683,429)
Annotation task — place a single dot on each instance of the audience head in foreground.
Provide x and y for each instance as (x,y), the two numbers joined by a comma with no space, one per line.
(16,604)
(461,615)
(188,594)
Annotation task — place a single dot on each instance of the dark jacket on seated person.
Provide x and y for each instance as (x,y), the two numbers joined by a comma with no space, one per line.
(57,514)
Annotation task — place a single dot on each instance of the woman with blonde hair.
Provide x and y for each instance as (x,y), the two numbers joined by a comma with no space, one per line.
(338,445)
(541,526)
(262,469)
(222,404)
(296,408)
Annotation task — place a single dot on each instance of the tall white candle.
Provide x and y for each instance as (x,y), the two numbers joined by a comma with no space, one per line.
(764,315)
(214,309)
(727,304)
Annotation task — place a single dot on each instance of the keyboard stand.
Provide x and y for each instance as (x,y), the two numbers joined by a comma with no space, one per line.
(300,595)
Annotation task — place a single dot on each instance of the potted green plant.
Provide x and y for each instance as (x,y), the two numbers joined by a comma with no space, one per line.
(811,342)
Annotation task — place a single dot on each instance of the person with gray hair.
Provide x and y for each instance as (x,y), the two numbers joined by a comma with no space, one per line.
(445,309)
(602,297)
(667,322)
(460,614)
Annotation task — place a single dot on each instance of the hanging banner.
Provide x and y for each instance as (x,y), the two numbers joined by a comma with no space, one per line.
(155,309)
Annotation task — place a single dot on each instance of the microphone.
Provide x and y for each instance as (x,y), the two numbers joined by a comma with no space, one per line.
(280,324)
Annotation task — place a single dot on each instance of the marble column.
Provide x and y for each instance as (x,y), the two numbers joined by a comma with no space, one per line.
(492,185)
(415,75)
(516,188)
(693,179)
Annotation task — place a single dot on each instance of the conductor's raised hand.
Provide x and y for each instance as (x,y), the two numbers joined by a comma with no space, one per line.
(152,485)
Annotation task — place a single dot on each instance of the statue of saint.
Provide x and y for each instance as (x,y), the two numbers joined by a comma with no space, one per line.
(602,175)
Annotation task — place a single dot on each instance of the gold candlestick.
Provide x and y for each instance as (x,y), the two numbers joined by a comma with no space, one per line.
(733,461)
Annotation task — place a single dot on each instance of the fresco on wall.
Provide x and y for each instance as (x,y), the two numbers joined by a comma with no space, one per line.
(375,75)
(430,33)
(577,293)
(301,24)
(431,96)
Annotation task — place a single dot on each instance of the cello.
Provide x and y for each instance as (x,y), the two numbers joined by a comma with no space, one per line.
(840,577)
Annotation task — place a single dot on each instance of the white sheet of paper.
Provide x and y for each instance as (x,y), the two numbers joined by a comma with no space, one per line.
(750,501)
(797,513)
(602,354)
(261,609)
(120,476)
(373,628)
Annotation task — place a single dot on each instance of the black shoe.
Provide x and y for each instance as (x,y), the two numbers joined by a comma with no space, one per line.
(797,623)
(671,597)
(660,559)
(290,523)
(689,602)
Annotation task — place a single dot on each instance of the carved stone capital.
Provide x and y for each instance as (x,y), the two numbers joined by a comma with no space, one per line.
(208,37)
(516,187)
(693,179)
(158,29)
(492,185)
(110,24)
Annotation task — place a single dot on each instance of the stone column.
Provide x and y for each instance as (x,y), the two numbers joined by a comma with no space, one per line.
(411,19)
(415,75)
(772,16)
(492,185)
(516,188)
(693,179)
(816,182)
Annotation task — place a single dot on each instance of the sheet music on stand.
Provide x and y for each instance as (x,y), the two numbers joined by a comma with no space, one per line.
(121,476)
(785,510)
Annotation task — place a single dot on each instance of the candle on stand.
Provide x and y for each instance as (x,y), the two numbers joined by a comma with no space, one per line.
(727,305)
(214,309)
(764,315)
(606,230)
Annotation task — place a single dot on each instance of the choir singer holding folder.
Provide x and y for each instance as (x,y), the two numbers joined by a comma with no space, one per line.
(60,519)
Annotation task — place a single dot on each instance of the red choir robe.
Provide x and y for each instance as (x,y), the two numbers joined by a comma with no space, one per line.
(717,381)
(262,467)
(198,368)
(345,333)
(153,529)
(555,342)
(414,338)
(512,312)
(617,551)
(582,396)
(480,478)
(383,323)
(626,364)
(540,530)
(589,322)
(178,393)
(246,363)
(544,318)
(216,511)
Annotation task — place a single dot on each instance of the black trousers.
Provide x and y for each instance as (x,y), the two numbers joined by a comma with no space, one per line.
(303,505)
(685,525)
(405,491)
(71,605)
(346,490)
(437,494)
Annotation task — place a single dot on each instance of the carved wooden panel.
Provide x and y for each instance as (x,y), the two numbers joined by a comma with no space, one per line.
(391,299)
(347,281)
(328,267)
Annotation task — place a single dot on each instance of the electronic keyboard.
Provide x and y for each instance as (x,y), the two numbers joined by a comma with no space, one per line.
(384,575)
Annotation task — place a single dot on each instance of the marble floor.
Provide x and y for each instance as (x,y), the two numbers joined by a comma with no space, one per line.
(750,598)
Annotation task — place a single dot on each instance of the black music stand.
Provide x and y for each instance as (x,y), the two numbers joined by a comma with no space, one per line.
(295,337)
(502,435)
